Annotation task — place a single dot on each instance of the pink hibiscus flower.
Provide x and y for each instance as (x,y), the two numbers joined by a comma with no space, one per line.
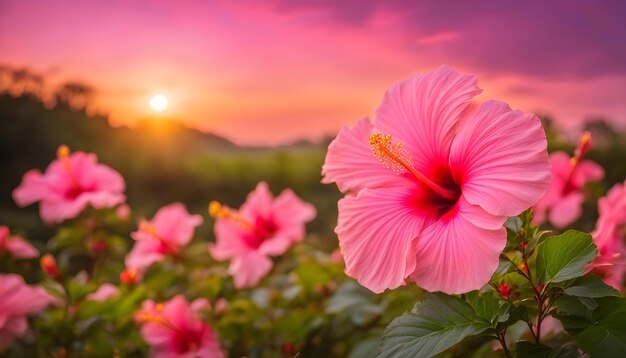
(174,329)
(262,227)
(17,301)
(103,293)
(430,201)
(69,184)
(609,237)
(170,230)
(564,198)
(15,245)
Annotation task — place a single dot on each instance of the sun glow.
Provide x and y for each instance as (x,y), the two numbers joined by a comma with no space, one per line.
(158,103)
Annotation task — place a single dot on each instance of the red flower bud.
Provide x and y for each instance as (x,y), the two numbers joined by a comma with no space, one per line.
(289,349)
(49,266)
(130,276)
(505,290)
(98,246)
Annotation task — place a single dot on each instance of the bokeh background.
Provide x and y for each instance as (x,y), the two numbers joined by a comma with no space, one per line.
(256,90)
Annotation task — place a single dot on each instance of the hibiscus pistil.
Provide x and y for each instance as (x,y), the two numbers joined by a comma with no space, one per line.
(157,318)
(63,153)
(217,210)
(584,144)
(397,159)
(146,227)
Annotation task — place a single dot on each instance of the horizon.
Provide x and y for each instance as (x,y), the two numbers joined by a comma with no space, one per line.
(258,75)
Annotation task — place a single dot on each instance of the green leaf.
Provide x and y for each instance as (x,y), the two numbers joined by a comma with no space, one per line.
(489,307)
(600,342)
(590,286)
(565,256)
(598,329)
(432,326)
(525,349)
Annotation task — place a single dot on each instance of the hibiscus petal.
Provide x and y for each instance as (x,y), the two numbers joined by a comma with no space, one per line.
(567,209)
(459,252)
(586,171)
(174,224)
(144,254)
(258,203)
(500,159)
(90,174)
(20,248)
(422,111)
(247,270)
(229,243)
(33,188)
(55,211)
(350,162)
(290,214)
(376,230)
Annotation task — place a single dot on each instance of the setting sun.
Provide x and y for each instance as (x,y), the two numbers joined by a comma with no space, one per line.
(158,103)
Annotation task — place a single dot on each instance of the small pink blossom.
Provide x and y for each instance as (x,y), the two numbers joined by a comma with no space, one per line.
(609,237)
(15,245)
(220,305)
(170,230)
(123,212)
(103,293)
(429,185)
(562,202)
(262,227)
(174,329)
(17,301)
(69,185)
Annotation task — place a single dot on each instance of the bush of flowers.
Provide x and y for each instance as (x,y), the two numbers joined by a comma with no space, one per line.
(441,250)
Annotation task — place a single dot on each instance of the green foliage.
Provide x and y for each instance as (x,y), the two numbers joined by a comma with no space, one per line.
(439,322)
(564,257)
(526,349)
(596,324)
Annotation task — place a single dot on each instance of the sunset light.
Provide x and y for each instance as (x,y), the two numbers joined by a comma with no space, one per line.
(356,178)
(158,103)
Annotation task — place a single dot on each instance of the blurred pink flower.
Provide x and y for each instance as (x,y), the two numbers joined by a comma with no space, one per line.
(170,230)
(103,293)
(564,199)
(431,205)
(69,184)
(174,329)
(123,212)
(17,301)
(15,245)
(262,227)
(609,237)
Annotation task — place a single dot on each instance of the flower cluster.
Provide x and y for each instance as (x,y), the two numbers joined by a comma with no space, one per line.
(436,191)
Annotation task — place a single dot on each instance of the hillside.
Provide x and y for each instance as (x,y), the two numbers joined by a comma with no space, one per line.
(161,162)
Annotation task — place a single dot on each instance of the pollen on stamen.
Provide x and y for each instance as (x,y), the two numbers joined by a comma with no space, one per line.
(145,226)
(392,156)
(220,211)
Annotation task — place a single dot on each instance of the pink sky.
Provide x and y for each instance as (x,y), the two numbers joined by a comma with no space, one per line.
(276,71)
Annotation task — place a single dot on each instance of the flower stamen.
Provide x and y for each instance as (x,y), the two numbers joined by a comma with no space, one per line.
(218,210)
(584,144)
(397,159)
(63,153)
(146,227)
